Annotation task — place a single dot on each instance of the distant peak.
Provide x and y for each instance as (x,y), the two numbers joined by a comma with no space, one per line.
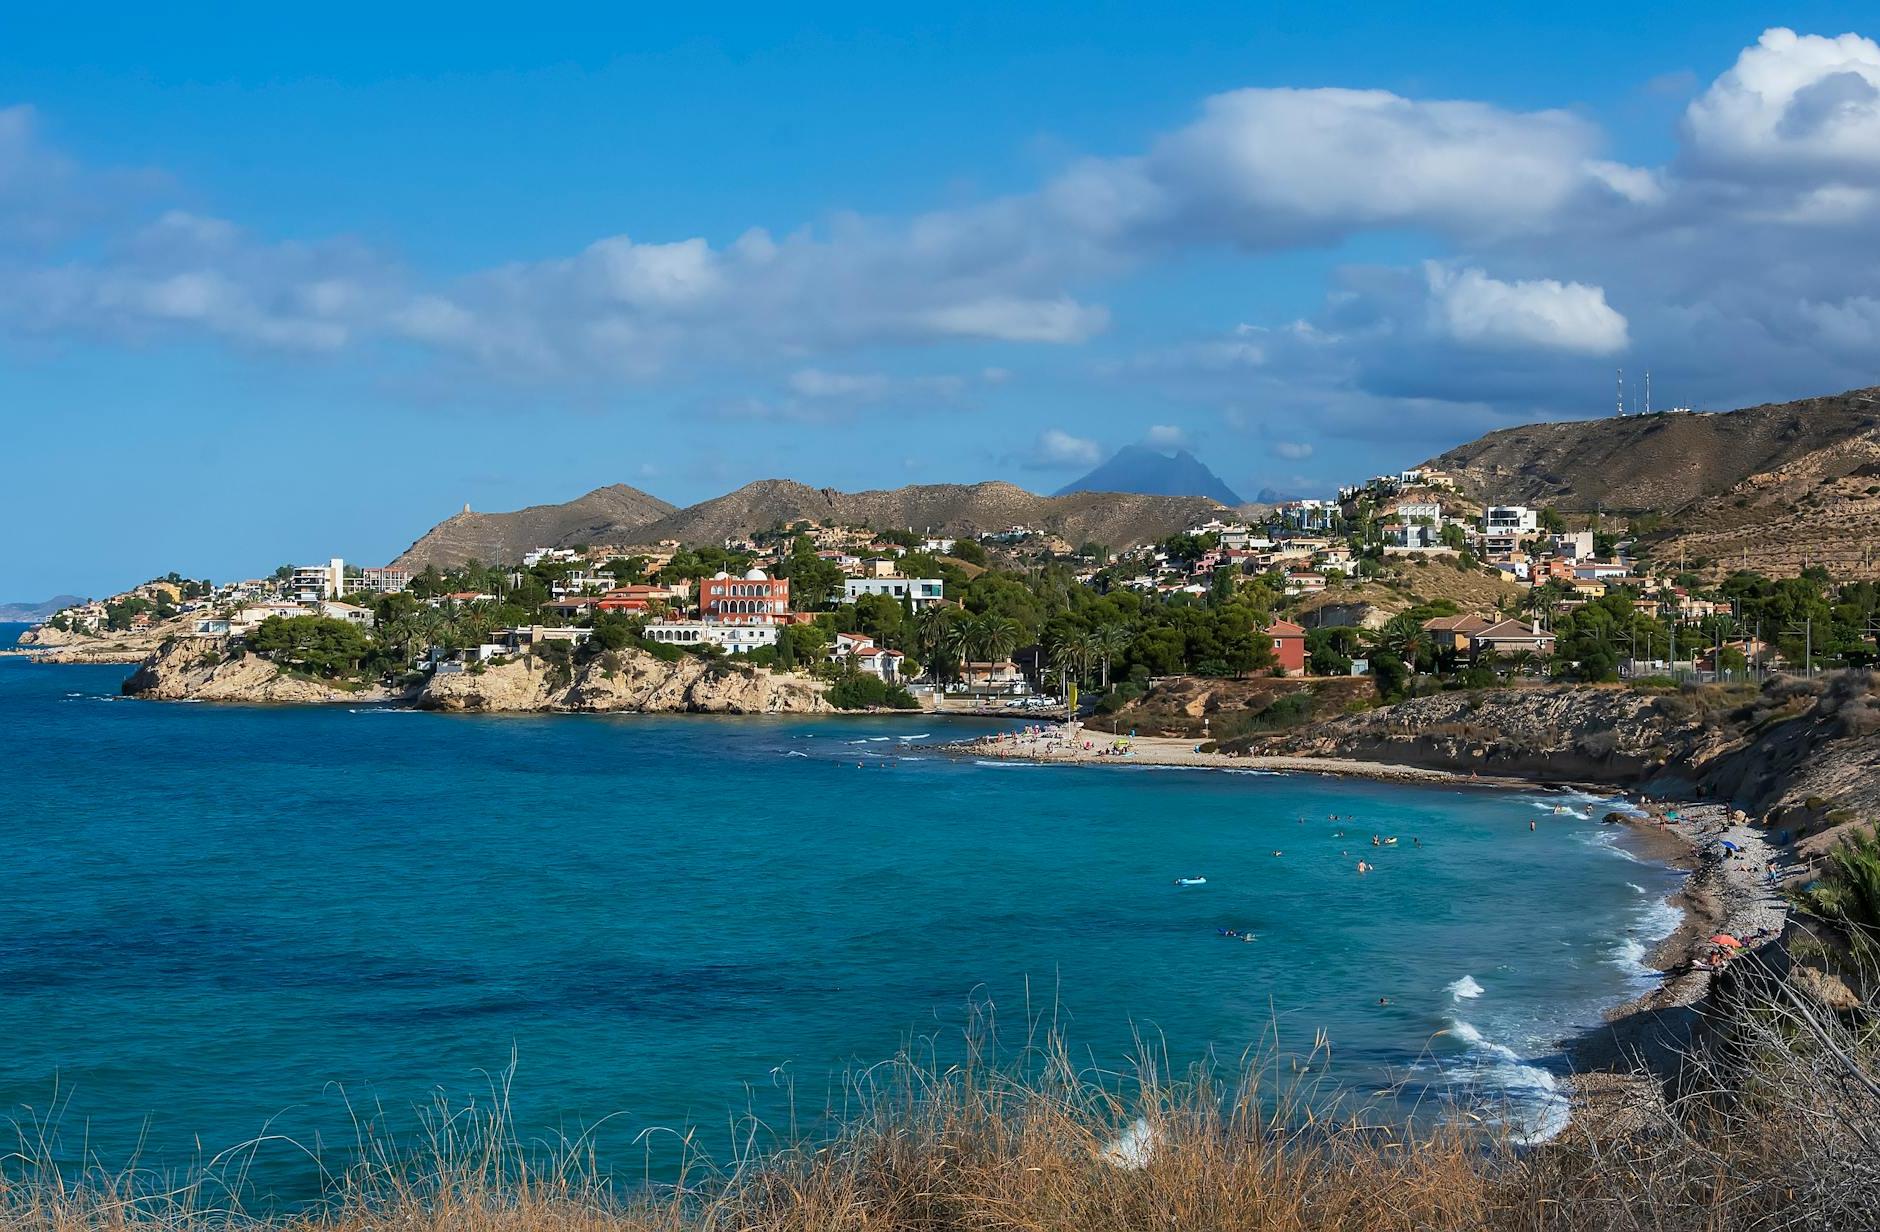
(1148,471)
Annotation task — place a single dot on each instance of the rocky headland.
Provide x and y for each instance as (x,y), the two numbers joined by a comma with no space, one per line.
(1802,753)
(212,669)
(627,680)
(45,644)
(209,669)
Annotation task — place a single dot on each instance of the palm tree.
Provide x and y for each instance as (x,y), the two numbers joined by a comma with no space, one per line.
(998,638)
(1110,641)
(1849,891)
(1075,654)
(1404,637)
(934,629)
(958,641)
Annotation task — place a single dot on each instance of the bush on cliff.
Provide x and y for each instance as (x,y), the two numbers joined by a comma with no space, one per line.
(317,645)
(859,692)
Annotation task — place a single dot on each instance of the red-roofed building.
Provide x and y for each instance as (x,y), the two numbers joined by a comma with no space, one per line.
(1289,646)
(633,598)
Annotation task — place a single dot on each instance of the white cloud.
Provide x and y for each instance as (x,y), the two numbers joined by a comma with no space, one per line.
(1792,102)
(816,383)
(1292,450)
(1057,448)
(1007,319)
(1746,263)
(1472,308)
(1264,167)
(1165,436)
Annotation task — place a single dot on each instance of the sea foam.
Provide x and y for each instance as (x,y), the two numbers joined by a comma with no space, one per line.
(1464,989)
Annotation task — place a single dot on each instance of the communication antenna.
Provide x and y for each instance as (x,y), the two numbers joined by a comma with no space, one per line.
(1648,391)
(1621,393)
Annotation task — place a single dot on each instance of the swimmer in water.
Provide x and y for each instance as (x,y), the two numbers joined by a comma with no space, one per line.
(1531,825)
(1383,1000)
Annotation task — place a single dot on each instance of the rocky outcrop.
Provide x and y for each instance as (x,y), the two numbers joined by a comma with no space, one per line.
(206,670)
(45,644)
(1565,732)
(626,680)
(1804,751)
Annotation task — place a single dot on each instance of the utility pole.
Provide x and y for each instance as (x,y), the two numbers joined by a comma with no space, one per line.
(1808,645)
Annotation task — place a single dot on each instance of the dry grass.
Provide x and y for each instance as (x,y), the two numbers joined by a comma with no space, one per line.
(1777,1128)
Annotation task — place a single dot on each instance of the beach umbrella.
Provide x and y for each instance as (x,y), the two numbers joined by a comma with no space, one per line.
(1725,939)
(1730,846)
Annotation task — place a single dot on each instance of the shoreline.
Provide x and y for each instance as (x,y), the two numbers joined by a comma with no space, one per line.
(1616,1069)
(1046,745)
(1619,1067)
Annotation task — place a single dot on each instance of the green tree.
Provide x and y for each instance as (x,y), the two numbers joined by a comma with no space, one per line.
(316,645)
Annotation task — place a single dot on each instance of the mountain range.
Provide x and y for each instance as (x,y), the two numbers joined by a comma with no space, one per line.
(1140,469)
(624,516)
(14,612)
(1772,487)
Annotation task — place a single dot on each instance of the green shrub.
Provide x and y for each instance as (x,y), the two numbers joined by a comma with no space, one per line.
(862,691)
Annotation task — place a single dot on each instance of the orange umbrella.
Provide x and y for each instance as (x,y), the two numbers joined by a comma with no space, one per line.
(1725,939)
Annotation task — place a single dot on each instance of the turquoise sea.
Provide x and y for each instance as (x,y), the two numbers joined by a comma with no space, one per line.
(214,918)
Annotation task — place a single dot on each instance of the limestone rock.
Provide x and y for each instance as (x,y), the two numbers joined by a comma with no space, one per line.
(200,669)
(628,680)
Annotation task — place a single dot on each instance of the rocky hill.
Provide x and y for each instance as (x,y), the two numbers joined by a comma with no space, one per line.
(1662,462)
(619,515)
(605,515)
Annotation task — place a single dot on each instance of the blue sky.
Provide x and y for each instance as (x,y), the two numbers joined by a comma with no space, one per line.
(274,289)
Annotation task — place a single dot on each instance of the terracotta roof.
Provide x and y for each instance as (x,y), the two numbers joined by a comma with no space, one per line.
(1469,623)
(1509,629)
(1285,628)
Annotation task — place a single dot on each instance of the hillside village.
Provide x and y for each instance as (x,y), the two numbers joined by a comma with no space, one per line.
(1404,579)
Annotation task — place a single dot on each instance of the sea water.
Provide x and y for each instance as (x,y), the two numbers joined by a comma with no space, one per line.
(215,919)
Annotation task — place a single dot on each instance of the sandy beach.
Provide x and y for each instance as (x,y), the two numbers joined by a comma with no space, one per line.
(1619,1065)
(1077,745)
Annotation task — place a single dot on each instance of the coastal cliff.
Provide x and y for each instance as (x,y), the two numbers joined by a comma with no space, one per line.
(1807,751)
(626,680)
(211,669)
(202,669)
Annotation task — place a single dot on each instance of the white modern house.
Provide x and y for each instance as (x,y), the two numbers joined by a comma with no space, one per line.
(923,592)
(312,583)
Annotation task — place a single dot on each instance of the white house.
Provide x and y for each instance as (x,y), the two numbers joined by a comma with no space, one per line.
(860,650)
(923,592)
(732,638)
(249,618)
(1510,520)
(352,615)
